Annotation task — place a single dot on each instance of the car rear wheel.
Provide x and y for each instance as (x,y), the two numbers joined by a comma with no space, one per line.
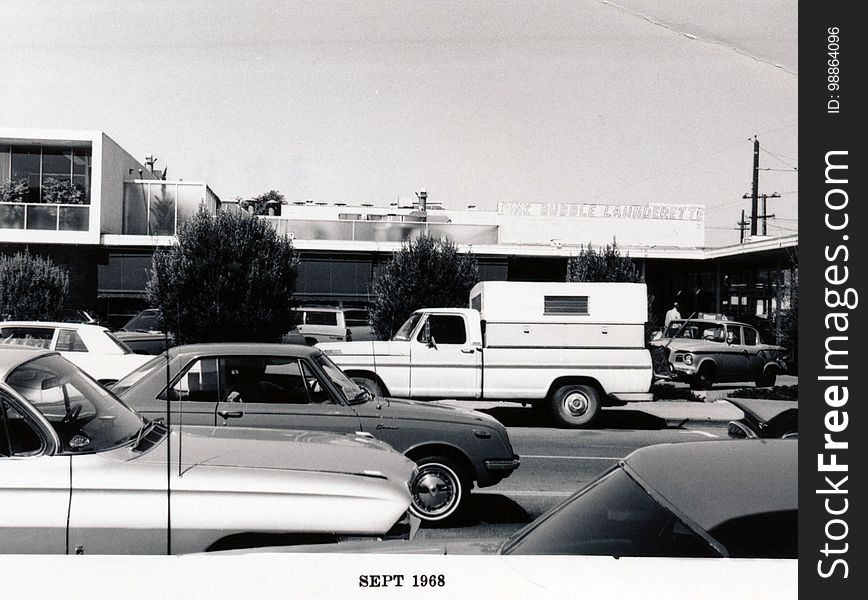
(438,490)
(368,384)
(575,405)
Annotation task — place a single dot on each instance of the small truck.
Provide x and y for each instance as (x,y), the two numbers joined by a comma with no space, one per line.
(569,349)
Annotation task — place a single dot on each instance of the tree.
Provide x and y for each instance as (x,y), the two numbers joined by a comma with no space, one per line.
(268,203)
(230,278)
(608,265)
(424,272)
(602,265)
(31,288)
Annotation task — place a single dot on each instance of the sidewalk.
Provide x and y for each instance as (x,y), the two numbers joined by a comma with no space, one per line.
(676,412)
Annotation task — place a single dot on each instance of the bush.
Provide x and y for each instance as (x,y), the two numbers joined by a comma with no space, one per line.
(778,392)
(423,273)
(31,288)
(230,278)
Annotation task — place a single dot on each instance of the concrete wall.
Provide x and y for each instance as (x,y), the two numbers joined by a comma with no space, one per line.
(116,165)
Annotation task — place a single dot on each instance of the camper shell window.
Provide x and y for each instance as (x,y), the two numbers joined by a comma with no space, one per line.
(566,305)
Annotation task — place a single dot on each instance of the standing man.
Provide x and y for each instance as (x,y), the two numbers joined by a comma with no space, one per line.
(671,315)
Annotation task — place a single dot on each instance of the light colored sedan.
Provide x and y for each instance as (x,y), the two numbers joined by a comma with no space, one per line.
(80,472)
(93,349)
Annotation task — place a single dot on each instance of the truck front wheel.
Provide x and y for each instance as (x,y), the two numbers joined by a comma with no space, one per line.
(368,384)
(575,405)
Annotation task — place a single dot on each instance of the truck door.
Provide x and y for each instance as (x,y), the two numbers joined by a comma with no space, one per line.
(443,361)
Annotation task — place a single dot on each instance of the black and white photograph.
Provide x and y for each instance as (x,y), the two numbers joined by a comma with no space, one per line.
(379,298)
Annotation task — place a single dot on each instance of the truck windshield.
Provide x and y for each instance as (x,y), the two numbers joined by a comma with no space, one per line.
(406,330)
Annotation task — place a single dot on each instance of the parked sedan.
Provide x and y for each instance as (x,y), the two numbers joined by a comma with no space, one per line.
(703,352)
(92,348)
(286,386)
(80,472)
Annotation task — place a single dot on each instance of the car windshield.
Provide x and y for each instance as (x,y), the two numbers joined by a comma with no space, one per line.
(86,417)
(406,330)
(696,330)
(612,517)
(144,321)
(127,381)
(353,393)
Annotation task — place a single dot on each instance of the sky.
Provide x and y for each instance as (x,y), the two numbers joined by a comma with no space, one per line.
(622,102)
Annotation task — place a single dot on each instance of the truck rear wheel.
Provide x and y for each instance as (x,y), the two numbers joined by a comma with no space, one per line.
(575,405)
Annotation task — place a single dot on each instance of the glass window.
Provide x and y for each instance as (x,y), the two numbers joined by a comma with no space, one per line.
(68,340)
(444,329)
(351,391)
(135,209)
(26,167)
(403,334)
(190,198)
(86,417)
(321,318)
(318,394)
(161,217)
(750,336)
(37,337)
(733,335)
(356,318)
(612,517)
(17,436)
(764,535)
(264,380)
(200,383)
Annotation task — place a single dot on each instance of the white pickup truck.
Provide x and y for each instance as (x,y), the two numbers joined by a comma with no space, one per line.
(568,348)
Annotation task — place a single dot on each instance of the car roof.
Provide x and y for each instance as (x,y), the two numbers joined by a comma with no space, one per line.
(245,349)
(65,325)
(12,356)
(711,482)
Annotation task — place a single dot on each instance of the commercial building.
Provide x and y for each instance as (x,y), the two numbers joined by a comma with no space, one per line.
(80,199)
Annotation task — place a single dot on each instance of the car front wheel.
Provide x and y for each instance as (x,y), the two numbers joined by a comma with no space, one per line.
(767,379)
(438,490)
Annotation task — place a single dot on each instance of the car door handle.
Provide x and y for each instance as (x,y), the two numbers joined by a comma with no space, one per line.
(381,426)
(468,350)
(230,414)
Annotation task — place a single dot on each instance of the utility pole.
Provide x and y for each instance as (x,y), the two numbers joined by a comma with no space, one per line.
(765,216)
(755,196)
(742,225)
(755,187)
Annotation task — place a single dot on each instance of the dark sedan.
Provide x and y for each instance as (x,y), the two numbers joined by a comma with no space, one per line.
(295,387)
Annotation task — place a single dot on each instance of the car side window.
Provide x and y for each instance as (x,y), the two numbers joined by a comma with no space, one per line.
(443,329)
(733,335)
(315,389)
(264,380)
(199,383)
(17,436)
(36,337)
(321,318)
(68,340)
(750,336)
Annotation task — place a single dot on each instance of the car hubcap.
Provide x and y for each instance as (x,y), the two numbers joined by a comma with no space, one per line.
(434,491)
(576,404)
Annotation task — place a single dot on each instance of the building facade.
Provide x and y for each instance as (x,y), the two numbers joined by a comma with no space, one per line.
(78,198)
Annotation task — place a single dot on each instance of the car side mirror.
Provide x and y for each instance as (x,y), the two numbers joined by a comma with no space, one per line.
(431,342)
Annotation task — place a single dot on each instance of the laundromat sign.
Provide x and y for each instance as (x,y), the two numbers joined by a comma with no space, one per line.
(656,212)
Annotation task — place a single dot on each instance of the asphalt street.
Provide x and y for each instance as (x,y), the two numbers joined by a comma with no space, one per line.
(555,463)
